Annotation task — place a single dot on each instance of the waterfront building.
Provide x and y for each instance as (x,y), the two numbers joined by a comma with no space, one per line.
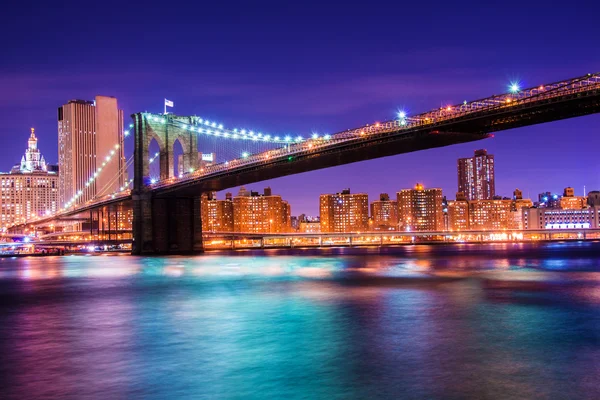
(458,215)
(384,214)
(217,215)
(90,137)
(256,213)
(569,201)
(344,212)
(493,215)
(420,209)
(30,189)
(310,227)
(556,218)
(476,177)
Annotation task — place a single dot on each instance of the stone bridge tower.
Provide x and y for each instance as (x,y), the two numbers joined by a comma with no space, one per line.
(167,223)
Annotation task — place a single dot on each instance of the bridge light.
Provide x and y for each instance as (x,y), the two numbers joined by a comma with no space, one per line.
(155,154)
(276,138)
(448,108)
(327,137)
(243,131)
(126,133)
(299,138)
(402,114)
(235,130)
(260,134)
(403,122)
(191,170)
(184,126)
(288,138)
(315,136)
(245,154)
(162,121)
(153,181)
(514,87)
(220,126)
(207,122)
(290,158)
(214,124)
(235,136)
(267,137)
(131,125)
(251,133)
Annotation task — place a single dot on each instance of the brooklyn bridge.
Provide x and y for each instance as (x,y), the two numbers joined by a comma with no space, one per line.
(164,195)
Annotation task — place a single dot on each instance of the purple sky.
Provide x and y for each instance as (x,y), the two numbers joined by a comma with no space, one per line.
(299,67)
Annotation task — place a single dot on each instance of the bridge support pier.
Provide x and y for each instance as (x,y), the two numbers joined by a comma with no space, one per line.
(169,225)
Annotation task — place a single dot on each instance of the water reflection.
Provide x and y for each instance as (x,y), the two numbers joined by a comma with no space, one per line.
(417,322)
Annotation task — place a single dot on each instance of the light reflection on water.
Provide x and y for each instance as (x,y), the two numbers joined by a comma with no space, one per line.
(518,321)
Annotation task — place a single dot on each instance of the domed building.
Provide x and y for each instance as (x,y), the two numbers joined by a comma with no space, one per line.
(30,189)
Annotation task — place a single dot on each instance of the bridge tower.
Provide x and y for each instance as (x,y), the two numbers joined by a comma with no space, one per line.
(165,223)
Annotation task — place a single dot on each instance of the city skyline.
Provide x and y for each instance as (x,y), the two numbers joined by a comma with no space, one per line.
(257,89)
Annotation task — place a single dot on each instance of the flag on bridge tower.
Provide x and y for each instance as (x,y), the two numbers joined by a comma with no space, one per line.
(168,103)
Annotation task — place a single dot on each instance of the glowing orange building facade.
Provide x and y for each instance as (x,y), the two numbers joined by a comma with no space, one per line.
(344,212)
(420,209)
(266,213)
(384,214)
(217,215)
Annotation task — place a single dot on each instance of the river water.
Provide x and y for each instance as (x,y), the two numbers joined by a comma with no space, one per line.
(500,321)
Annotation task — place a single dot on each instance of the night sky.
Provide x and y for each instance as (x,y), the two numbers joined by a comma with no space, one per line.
(303,66)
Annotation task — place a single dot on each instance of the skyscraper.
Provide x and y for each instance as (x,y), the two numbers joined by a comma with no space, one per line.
(420,209)
(476,176)
(90,150)
(344,212)
(30,189)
